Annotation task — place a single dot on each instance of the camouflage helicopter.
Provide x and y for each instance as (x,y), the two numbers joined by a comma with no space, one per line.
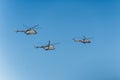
(84,40)
(49,46)
(29,31)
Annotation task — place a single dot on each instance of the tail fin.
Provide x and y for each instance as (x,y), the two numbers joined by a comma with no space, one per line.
(74,39)
(36,46)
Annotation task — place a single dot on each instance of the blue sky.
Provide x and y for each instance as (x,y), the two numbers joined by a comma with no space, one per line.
(60,22)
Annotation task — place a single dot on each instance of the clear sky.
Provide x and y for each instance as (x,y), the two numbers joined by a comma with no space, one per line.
(60,22)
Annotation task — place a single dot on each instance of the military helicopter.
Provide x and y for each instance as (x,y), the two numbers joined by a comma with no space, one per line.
(29,31)
(84,40)
(49,46)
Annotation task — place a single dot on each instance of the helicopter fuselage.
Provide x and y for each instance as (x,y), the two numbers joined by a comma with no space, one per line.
(51,47)
(85,41)
(30,31)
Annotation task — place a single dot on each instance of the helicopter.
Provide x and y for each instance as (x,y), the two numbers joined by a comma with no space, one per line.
(29,31)
(84,40)
(49,46)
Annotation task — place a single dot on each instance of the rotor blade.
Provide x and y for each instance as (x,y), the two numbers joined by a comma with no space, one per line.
(56,43)
(34,26)
(25,26)
(38,28)
(78,37)
(90,38)
(84,37)
(49,43)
